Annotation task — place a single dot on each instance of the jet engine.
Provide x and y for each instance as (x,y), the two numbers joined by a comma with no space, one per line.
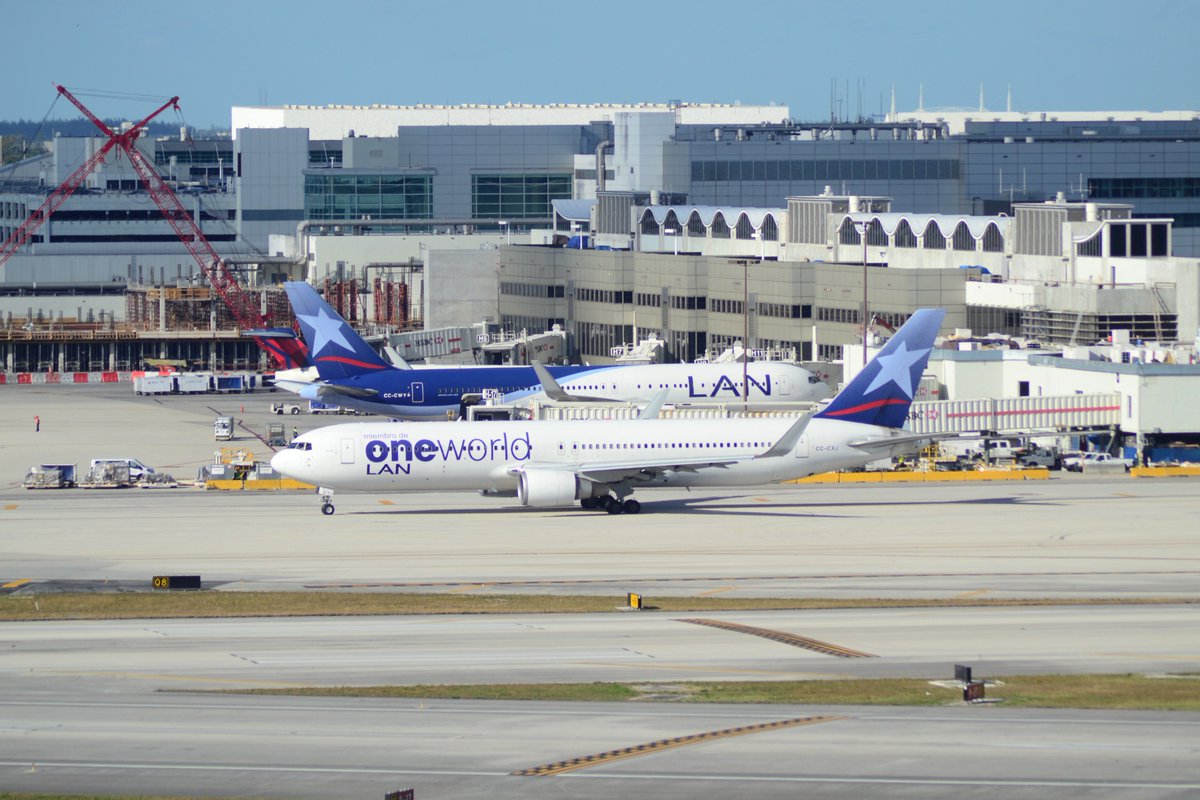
(544,487)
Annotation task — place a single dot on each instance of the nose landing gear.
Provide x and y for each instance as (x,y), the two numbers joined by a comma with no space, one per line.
(326,500)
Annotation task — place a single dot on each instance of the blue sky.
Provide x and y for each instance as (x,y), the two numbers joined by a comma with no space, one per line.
(1056,54)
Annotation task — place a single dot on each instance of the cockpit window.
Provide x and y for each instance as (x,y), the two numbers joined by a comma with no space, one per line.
(300,446)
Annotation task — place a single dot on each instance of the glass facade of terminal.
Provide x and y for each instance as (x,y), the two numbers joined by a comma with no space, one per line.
(332,196)
(517,197)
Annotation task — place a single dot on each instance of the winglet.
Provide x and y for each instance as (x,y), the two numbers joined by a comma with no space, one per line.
(335,349)
(549,385)
(655,405)
(787,442)
(393,355)
(883,391)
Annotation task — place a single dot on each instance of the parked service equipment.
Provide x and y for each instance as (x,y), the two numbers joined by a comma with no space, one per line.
(315,407)
(50,476)
(223,428)
(107,475)
(192,383)
(275,435)
(285,408)
(154,384)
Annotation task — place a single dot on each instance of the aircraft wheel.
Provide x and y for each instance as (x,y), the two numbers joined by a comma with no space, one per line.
(327,509)
(614,506)
(632,506)
(589,503)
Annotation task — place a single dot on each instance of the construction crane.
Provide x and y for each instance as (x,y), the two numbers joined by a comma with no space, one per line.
(287,350)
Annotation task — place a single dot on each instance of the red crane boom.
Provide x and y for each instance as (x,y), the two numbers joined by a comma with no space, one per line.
(287,352)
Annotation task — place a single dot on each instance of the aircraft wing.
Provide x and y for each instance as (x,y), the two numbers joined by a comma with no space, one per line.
(324,392)
(648,469)
(558,394)
(644,470)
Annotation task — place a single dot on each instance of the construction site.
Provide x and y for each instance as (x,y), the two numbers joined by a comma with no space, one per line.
(192,327)
(217,317)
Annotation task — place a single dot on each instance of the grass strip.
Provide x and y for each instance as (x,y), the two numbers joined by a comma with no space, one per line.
(149,605)
(1123,691)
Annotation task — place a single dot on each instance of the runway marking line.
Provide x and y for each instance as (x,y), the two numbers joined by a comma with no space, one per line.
(796,675)
(164,677)
(968,595)
(784,638)
(607,757)
(16,583)
(718,590)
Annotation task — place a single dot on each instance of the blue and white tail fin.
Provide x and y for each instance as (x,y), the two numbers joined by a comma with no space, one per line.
(882,393)
(334,348)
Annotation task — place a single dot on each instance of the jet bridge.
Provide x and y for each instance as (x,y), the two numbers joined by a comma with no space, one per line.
(1016,414)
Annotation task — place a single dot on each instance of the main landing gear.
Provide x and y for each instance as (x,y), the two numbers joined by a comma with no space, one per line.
(326,500)
(613,505)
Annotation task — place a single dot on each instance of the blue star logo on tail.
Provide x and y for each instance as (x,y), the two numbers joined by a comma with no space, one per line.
(897,368)
(325,329)
(882,392)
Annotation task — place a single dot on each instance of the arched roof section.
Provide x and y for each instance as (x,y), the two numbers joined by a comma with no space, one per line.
(744,228)
(719,229)
(946,223)
(708,213)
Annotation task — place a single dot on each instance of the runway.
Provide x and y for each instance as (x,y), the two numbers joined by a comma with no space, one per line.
(84,707)
(321,748)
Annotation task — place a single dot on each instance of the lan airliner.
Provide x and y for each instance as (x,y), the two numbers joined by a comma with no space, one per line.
(353,375)
(601,463)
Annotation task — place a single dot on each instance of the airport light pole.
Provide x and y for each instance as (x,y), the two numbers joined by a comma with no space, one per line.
(745,335)
(866,314)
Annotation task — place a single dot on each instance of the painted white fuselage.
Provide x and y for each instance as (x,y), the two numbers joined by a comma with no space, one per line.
(489,456)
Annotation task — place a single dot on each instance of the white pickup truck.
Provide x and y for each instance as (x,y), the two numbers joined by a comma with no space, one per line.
(1081,462)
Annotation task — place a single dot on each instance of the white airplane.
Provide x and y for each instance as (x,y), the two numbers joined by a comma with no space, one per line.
(601,463)
(346,371)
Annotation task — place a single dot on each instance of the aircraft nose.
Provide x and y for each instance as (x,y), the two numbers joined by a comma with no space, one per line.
(282,462)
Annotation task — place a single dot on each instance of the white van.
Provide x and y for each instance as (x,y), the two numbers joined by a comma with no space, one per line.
(136,468)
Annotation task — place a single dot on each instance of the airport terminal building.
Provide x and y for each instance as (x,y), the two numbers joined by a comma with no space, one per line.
(1057,228)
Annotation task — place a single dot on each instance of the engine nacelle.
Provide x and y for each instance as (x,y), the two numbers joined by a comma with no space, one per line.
(546,487)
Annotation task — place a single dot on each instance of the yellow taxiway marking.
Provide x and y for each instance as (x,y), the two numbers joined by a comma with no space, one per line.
(10,506)
(719,590)
(471,588)
(762,499)
(976,593)
(16,583)
(583,762)
(385,502)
